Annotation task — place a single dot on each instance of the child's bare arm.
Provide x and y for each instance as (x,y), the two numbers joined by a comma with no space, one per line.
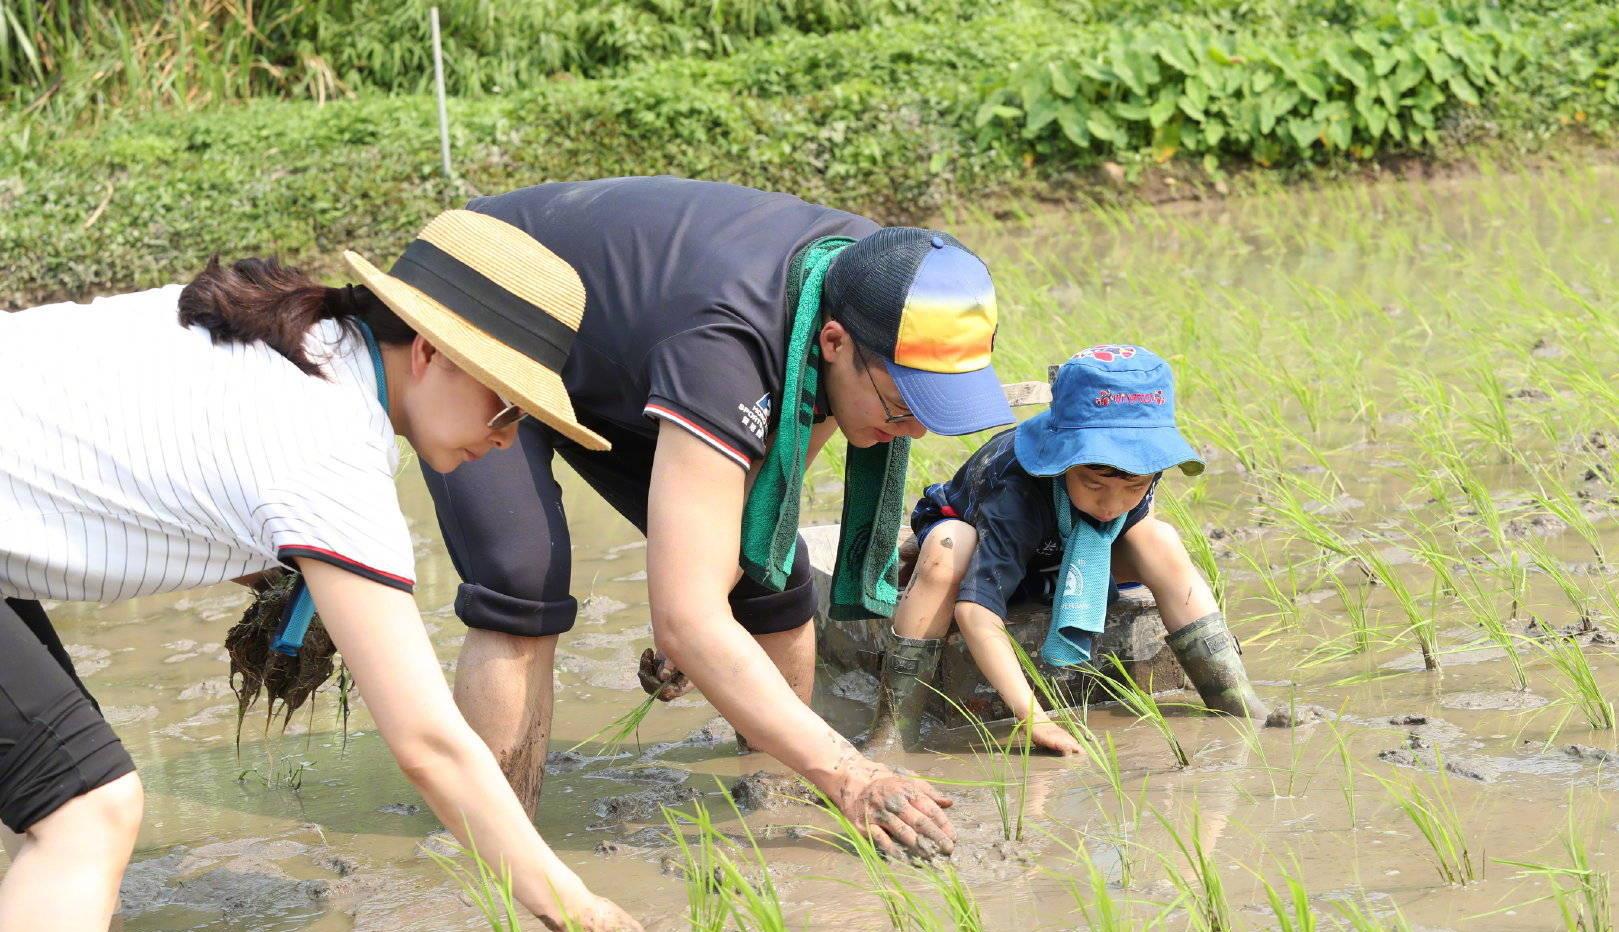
(985,633)
(1152,553)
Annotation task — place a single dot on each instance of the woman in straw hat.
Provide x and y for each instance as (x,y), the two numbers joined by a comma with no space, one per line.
(141,455)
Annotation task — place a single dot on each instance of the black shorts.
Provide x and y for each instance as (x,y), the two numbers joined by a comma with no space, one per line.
(54,744)
(507,534)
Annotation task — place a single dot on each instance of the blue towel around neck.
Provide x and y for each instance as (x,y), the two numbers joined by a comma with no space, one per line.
(1080,609)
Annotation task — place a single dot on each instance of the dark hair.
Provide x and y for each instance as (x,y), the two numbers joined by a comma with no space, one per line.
(263,301)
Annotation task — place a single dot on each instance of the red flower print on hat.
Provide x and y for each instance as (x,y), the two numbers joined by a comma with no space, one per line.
(1106,352)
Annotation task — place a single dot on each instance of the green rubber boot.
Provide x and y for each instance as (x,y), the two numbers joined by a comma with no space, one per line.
(909,665)
(1213,662)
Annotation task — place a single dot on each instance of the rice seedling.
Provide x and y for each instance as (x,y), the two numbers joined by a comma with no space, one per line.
(1554,570)
(961,905)
(1583,894)
(1418,622)
(901,905)
(1291,905)
(1557,499)
(1201,888)
(1005,765)
(717,888)
(1577,681)
(1127,692)
(1360,917)
(1481,608)
(619,730)
(1435,818)
(489,890)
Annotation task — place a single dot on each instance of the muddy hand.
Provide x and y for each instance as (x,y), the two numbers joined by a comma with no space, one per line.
(660,678)
(596,914)
(902,815)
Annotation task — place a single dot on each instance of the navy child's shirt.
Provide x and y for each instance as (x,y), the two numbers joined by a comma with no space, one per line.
(1018,550)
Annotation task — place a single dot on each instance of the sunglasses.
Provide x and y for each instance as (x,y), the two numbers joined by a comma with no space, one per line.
(889,417)
(508,415)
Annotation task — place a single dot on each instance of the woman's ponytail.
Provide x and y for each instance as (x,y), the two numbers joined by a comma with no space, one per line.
(263,301)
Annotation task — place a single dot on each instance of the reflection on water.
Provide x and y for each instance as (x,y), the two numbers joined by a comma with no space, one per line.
(227,844)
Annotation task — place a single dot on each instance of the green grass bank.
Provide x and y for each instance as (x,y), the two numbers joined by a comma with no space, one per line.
(122,167)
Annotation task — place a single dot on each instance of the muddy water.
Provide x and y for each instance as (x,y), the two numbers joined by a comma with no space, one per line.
(230,842)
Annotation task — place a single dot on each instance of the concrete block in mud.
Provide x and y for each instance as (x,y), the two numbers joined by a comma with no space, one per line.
(1134,633)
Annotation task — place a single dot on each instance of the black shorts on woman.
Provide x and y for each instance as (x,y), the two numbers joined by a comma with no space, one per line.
(54,743)
(685,321)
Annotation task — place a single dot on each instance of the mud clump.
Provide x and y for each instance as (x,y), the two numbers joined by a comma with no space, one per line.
(1295,716)
(1586,752)
(644,806)
(257,670)
(762,791)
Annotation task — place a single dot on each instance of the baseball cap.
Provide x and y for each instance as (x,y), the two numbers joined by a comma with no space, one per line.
(926,304)
(1111,405)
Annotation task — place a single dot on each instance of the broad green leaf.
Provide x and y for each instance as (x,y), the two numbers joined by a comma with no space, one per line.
(1310,85)
(1262,80)
(1072,121)
(1391,100)
(1064,83)
(1130,110)
(1338,133)
(1376,119)
(1462,89)
(1341,57)
(1172,49)
(1304,132)
(1162,109)
(995,110)
(1041,115)
(1213,132)
(1102,127)
(1408,75)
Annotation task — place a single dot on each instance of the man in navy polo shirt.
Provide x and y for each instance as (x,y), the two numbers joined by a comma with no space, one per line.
(680,363)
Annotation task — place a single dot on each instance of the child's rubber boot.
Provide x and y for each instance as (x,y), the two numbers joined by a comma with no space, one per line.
(1213,662)
(909,665)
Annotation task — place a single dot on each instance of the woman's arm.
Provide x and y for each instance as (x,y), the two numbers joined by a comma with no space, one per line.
(380,634)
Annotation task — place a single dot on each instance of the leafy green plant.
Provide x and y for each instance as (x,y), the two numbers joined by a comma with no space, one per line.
(1207,92)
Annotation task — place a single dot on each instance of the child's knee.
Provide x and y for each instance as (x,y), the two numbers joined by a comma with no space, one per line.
(946,554)
(1155,552)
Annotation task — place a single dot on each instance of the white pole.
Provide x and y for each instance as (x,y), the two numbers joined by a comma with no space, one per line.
(438,85)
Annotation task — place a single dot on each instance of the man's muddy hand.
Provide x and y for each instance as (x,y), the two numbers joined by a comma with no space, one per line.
(902,815)
(660,678)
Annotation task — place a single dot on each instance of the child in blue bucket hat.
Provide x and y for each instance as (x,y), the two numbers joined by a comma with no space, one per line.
(1058,509)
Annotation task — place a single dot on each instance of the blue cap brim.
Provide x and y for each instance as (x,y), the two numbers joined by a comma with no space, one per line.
(1046,451)
(953,403)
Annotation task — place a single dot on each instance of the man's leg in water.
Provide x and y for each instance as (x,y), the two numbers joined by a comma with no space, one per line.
(793,653)
(507,535)
(503,686)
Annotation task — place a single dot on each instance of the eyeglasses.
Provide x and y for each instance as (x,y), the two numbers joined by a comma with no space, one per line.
(509,415)
(889,417)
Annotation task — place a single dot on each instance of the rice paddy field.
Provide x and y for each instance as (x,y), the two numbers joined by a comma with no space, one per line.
(1406,395)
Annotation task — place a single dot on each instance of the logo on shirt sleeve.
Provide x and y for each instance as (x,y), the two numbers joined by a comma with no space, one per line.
(756,417)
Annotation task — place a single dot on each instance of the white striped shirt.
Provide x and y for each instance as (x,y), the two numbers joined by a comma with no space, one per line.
(137,457)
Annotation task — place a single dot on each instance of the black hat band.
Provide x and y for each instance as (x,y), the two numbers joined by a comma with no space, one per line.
(516,322)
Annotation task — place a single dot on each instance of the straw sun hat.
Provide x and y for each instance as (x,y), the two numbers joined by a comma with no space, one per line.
(500,305)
